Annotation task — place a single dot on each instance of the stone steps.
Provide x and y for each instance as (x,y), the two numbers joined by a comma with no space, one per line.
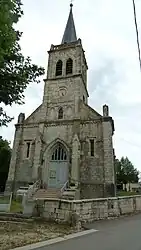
(68,197)
(15,217)
(52,193)
(69,194)
(49,193)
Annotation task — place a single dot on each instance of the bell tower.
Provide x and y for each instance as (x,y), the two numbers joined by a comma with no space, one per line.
(66,81)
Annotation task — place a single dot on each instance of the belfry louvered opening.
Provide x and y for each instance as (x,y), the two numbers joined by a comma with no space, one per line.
(59,66)
(69,66)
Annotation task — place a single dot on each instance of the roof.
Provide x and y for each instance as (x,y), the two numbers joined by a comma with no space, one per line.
(70,31)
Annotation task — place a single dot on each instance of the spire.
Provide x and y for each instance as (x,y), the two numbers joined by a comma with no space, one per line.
(70,32)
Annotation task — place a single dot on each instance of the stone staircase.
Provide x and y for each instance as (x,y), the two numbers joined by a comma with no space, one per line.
(71,194)
(50,193)
(67,192)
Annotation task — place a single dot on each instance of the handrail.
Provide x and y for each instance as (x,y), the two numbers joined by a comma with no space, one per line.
(64,186)
(75,181)
(32,190)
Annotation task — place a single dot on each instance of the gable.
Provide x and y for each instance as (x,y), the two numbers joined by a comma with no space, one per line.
(86,112)
(34,117)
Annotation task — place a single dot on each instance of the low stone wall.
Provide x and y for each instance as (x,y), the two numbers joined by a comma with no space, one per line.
(75,211)
(4,207)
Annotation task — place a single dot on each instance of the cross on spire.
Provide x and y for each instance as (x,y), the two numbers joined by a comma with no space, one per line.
(71,4)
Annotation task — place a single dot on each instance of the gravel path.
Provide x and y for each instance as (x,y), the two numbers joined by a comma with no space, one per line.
(17,234)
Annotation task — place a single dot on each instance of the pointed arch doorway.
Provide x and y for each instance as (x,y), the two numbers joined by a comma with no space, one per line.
(58,167)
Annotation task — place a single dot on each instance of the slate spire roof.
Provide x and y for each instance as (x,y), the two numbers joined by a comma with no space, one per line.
(70,32)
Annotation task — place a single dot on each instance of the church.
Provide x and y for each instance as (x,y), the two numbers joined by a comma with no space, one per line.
(65,144)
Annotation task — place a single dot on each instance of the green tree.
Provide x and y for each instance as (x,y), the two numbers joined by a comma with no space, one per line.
(5,156)
(16,71)
(126,172)
(119,172)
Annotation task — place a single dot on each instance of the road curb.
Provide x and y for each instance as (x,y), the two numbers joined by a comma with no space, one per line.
(56,240)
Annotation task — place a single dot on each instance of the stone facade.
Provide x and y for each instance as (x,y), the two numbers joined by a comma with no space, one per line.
(64,138)
(83,211)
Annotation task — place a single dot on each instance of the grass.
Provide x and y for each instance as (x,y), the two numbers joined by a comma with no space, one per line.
(124,193)
(4,199)
(16,206)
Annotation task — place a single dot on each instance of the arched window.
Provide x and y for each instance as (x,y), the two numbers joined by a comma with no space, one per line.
(59,66)
(60,113)
(69,66)
(59,153)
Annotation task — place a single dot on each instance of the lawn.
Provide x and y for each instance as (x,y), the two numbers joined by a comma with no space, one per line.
(4,201)
(16,207)
(124,193)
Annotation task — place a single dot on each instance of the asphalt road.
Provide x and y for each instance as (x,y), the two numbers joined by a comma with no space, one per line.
(120,234)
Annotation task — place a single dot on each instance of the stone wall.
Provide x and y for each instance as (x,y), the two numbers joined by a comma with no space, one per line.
(5,202)
(64,211)
(92,190)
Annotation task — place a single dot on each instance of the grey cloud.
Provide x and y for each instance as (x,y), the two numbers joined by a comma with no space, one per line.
(103,83)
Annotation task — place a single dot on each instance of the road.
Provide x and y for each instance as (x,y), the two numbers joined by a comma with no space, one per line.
(120,234)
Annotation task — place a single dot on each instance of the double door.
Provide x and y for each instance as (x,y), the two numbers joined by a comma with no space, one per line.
(58,174)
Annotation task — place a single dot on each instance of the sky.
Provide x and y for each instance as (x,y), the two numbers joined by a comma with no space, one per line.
(107,30)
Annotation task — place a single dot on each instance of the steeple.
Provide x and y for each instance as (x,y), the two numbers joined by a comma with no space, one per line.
(70,32)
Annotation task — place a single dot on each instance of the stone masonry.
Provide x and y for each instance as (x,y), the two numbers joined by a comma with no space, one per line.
(83,211)
(64,138)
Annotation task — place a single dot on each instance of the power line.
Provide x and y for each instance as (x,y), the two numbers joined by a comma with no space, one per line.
(139,52)
(137,32)
(128,142)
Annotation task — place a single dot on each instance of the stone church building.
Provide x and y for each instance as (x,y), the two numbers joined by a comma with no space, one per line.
(65,140)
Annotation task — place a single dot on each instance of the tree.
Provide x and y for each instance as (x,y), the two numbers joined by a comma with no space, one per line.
(16,71)
(125,172)
(119,172)
(5,156)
